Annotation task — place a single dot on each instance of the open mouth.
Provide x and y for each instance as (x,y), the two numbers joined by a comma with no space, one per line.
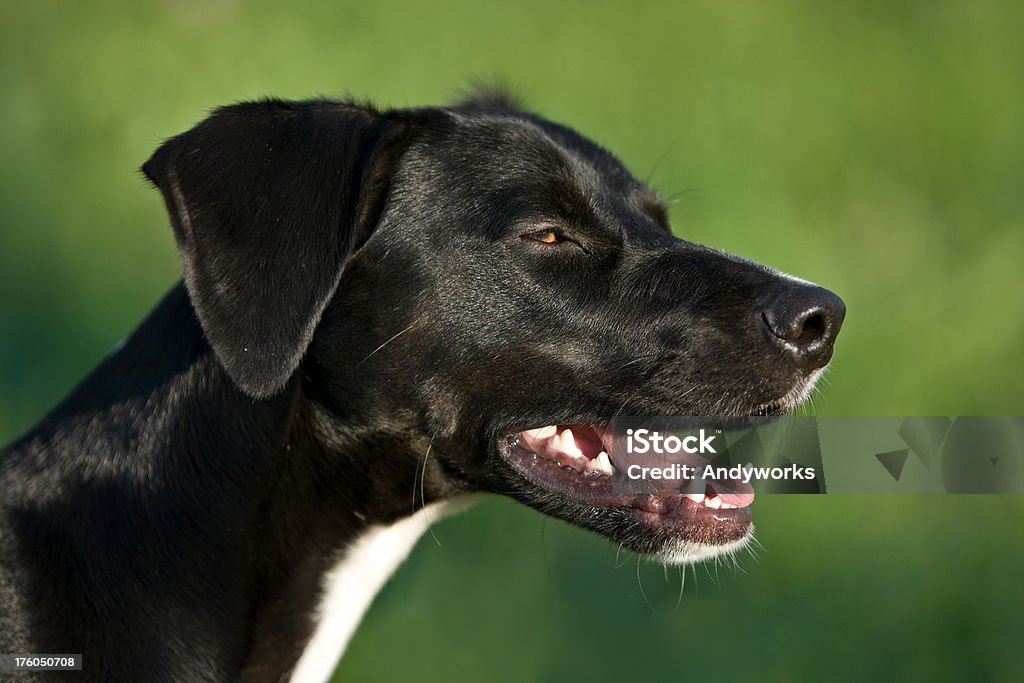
(577,463)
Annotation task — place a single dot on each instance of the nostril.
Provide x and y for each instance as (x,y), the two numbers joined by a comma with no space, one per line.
(812,330)
(799,330)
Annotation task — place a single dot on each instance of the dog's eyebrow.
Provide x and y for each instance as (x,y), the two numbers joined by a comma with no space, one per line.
(652,206)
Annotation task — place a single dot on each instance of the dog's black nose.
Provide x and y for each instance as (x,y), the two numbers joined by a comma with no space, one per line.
(804,320)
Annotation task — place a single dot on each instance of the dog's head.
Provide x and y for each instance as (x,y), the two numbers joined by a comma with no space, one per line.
(489,287)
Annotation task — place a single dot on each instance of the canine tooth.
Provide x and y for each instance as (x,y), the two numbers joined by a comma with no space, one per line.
(714,503)
(728,506)
(567,443)
(695,497)
(603,464)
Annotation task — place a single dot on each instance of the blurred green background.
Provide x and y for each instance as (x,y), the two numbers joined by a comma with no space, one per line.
(873,147)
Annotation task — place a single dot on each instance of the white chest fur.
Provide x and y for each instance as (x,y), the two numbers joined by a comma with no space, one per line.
(350,586)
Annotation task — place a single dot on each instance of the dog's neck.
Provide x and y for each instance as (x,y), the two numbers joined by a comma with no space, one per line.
(350,586)
(270,508)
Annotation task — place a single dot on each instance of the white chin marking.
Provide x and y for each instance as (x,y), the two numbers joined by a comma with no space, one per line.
(690,552)
(808,387)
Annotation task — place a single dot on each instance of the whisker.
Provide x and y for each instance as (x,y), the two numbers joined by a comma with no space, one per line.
(423,502)
(640,583)
(385,344)
(619,565)
(682,586)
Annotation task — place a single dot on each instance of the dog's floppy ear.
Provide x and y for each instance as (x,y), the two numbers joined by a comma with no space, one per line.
(267,200)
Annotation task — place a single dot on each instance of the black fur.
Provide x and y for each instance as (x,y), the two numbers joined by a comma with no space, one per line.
(360,286)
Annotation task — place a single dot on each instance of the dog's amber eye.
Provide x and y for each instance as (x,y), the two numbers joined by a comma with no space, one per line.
(546,236)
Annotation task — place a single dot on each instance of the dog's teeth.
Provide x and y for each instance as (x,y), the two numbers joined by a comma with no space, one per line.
(728,506)
(566,443)
(695,497)
(714,503)
(542,432)
(603,464)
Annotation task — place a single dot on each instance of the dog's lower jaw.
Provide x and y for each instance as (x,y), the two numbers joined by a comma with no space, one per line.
(350,586)
(689,552)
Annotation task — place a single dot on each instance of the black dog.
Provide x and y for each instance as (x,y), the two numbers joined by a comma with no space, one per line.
(381,311)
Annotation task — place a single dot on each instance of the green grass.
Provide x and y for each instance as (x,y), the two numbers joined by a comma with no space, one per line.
(873,147)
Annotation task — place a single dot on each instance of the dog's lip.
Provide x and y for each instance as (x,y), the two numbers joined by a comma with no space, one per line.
(787,403)
(678,514)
